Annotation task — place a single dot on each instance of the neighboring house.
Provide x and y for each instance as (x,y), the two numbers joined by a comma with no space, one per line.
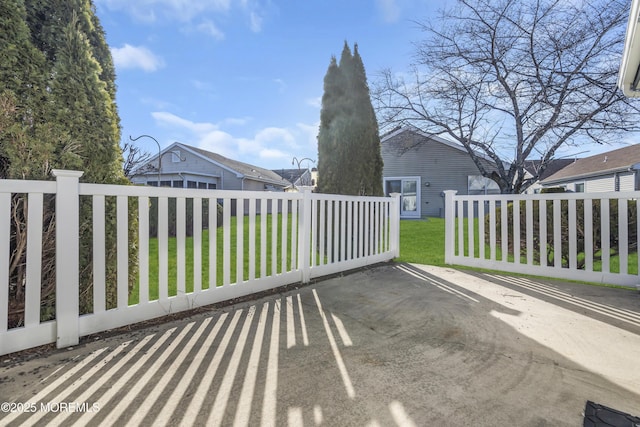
(184,166)
(420,167)
(297,178)
(531,167)
(615,170)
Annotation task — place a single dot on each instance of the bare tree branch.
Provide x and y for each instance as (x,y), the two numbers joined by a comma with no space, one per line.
(134,157)
(515,76)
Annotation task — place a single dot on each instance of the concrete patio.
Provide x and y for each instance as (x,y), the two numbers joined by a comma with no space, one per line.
(391,345)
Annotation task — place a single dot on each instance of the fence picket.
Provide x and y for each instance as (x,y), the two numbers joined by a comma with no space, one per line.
(557,234)
(623,244)
(181,218)
(543,232)
(274,237)
(34,260)
(226,242)
(516,232)
(143,254)
(605,236)
(197,244)
(99,255)
(163,248)
(284,237)
(213,243)
(294,234)
(349,245)
(481,237)
(575,235)
(588,235)
(492,229)
(122,233)
(252,239)
(529,228)
(263,237)
(239,240)
(504,210)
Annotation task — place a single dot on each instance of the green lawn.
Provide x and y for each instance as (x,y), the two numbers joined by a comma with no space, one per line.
(189,257)
(422,242)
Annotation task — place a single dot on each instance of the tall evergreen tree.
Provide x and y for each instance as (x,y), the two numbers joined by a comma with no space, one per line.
(81,103)
(57,110)
(349,159)
(79,62)
(30,146)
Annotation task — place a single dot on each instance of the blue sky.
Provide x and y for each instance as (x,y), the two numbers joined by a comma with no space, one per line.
(243,78)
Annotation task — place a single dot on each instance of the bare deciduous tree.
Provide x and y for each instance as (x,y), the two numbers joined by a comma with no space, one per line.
(515,77)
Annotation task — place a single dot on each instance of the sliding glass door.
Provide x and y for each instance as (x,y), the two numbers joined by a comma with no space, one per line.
(409,189)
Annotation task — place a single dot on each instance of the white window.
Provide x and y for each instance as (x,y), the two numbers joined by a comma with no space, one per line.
(478,184)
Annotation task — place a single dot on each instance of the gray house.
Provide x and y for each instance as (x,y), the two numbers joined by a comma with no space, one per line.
(532,167)
(615,170)
(420,167)
(183,166)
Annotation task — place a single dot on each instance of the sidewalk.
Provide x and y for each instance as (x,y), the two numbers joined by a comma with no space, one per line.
(391,345)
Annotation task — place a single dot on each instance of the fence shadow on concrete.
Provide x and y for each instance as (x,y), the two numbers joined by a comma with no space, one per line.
(222,368)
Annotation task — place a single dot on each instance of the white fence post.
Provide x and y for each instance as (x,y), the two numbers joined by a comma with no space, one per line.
(449,224)
(67,257)
(304,236)
(395,224)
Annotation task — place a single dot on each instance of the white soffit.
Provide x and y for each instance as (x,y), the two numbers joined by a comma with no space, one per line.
(631,55)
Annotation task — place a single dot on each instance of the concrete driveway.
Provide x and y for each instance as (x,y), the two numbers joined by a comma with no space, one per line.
(392,345)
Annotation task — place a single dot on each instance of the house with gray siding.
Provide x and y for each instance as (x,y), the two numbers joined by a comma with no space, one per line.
(420,167)
(532,167)
(183,166)
(615,170)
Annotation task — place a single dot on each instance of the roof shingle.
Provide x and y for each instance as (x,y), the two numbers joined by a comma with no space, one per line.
(599,164)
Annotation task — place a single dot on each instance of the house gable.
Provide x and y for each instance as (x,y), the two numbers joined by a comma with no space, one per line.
(441,165)
(183,161)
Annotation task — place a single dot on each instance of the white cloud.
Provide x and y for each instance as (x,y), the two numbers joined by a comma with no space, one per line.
(276,135)
(255,22)
(183,10)
(315,102)
(136,57)
(209,28)
(188,11)
(171,120)
(200,85)
(389,9)
(236,121)
(281,84)
(271,153)
(269,147)
(158,104)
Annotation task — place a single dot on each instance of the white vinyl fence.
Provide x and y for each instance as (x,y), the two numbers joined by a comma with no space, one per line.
(581,236)
(147,252)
